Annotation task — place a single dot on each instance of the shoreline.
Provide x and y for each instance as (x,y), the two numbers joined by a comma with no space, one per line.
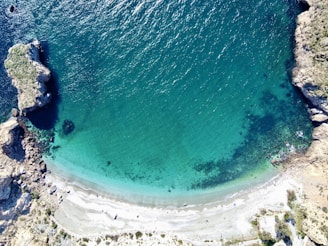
(94,212)
(160,197)
(67,213)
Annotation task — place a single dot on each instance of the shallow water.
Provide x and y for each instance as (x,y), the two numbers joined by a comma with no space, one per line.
(167,96)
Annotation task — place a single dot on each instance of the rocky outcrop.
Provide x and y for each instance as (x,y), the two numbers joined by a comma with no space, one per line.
(315,193)
(5,183)
(20,181)
(28,75)
(311,54)
(22,170)
(311,76)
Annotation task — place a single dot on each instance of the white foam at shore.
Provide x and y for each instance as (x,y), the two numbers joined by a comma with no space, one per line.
(150,196)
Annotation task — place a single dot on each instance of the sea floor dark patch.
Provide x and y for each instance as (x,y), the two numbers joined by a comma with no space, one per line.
(266,138)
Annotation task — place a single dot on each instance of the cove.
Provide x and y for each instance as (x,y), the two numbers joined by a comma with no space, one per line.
(168,96)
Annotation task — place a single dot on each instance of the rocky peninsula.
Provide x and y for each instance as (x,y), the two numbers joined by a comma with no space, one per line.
(38,208)
(28,75)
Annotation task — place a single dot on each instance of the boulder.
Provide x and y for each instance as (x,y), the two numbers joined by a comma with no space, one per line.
(319,118)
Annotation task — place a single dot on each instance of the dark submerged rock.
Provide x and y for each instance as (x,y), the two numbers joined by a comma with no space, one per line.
(68,127)
(12,8)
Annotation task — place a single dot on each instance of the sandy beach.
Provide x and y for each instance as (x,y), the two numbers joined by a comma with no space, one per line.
(87,213)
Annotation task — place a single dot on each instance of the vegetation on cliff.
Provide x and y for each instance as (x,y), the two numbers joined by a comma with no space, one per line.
(28,75)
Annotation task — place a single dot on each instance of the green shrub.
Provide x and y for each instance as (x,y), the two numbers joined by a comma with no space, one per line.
(282,230)
(291,198)
(48,211)
(85,239)
(266,238)
(300,215)
(138,234)
(35,195)
(288,216)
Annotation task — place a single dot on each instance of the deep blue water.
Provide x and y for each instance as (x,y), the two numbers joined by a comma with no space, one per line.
(164,95)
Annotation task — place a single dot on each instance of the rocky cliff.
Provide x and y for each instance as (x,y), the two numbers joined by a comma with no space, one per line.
(21,167)
(311,76)
(311,54)
(28,75)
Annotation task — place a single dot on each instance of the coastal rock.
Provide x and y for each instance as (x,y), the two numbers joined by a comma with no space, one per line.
(10,139)
(319,118)
(310,75)
(311,71)
(23,202)
(28,76)
(5,130)
(14,148)
(14,112)
(5,184)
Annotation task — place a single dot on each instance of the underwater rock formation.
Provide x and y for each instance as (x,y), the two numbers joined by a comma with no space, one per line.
(67,127)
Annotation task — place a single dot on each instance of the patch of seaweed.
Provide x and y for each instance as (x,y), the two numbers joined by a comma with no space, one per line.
(263,141)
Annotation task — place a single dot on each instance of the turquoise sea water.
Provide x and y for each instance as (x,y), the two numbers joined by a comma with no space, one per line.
(166,96)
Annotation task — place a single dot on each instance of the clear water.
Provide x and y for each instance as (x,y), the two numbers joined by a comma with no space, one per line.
(166,96)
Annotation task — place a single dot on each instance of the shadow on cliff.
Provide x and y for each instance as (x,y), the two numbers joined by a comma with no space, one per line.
(45,118)
(17,204)
(296,7)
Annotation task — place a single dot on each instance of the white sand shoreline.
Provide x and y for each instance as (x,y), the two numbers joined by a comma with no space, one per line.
(159,197)
(85,213)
